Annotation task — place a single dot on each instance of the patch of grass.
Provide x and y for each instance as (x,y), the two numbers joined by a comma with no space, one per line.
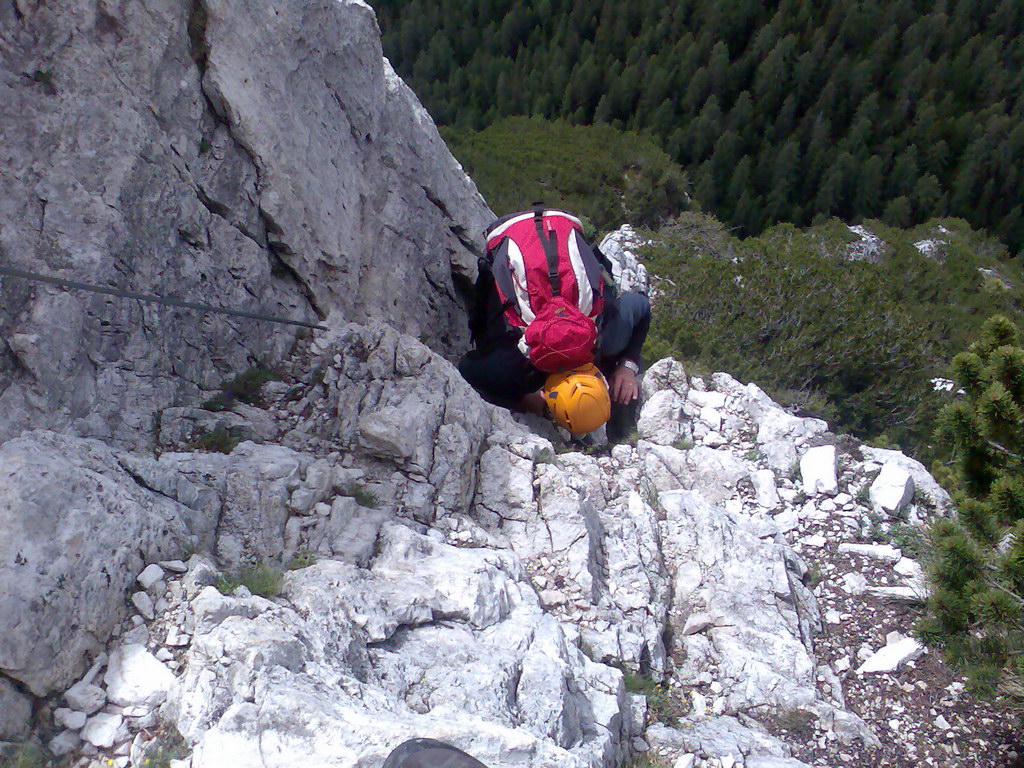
(663,705)
(878,529)
(217,440)
(27,756)
(169,745)
(204,146)
(631,438)
(797,723)
(863,495)
(245,388)
(683,444)
(517,160)
(813,577)
(222,401)
(263,580)
(246,385)
(753,454)
(364,496)
(302,559)
(44,77)
(909,539)
(647,760)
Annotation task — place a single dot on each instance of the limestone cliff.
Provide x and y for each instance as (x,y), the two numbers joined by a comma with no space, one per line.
(262,156)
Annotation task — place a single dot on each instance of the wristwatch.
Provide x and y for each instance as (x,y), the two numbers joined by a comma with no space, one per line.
(631,365)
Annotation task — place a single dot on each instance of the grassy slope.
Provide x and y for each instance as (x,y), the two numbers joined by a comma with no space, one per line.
(609,176)
(851,341)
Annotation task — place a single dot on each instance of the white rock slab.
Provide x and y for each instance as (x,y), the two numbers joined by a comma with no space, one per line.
(150,575)
(102,730)
(136,678)
(787,520)
(891,657)
(704,399)
(893,489)
(144,604)
(854,583)
(174,566)
(713,440)
(881,552)
(661,418)
(697,622)
(909,567)
(64,742)
(85,697)
(69,718)
(818,470)
(765,490)
(917,593)
(712,417)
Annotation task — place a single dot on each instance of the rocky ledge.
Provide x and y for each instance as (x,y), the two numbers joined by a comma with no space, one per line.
(725,589)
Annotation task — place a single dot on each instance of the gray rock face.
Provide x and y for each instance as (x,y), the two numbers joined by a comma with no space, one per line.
(15,713)
(160,151)
(469,582)
(429,639)
(74,529)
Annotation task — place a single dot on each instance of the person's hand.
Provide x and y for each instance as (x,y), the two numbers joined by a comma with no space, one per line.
(533,403)
(624,386)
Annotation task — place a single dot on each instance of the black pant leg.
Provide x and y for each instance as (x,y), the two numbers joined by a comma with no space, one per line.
(501,375)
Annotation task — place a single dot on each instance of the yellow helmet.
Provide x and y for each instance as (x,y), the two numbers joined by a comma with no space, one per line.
(578,400)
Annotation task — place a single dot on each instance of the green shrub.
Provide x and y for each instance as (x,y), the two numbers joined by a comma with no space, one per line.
(27,756)
(246,386)
(169,745)
(647,760)
(663,704)
(854,343)
(263,580)
(303,559)
(364,496)
(217,440)
(975,613)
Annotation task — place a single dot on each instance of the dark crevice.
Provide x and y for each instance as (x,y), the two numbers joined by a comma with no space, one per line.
(141,482)
(465,288)
(20,17)
(467,242)
(282,268)
(214,207)
(19,686)
(438,203)
(197,35)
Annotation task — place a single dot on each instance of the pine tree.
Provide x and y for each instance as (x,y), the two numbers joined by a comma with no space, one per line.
(976,611)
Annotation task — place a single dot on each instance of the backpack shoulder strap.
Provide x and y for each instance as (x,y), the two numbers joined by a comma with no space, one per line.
(550,249)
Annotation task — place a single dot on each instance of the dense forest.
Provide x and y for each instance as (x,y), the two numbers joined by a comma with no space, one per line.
(790,111)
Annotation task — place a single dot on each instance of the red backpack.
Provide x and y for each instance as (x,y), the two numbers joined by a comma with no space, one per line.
(549,283)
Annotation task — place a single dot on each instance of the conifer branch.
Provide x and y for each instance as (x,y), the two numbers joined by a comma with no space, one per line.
(1004,451)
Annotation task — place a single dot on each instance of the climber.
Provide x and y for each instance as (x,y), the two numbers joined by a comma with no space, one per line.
(578,364)
(428,753)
